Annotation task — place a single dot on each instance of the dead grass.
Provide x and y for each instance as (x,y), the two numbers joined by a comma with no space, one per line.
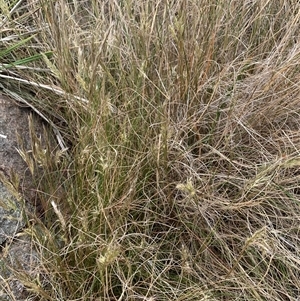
(181,123)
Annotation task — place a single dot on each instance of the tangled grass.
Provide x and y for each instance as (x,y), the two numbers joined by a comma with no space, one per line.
(177,171)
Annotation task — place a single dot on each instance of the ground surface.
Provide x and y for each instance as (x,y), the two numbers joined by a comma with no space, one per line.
(16,250)
(13,120)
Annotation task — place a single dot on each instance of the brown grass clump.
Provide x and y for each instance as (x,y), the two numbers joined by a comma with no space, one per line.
(178,169)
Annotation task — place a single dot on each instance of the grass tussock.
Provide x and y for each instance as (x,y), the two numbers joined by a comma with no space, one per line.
(177,168)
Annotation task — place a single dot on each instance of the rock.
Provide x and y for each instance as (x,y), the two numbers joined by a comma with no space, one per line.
(15,253)
(13,120)
(19,256)
(11,220)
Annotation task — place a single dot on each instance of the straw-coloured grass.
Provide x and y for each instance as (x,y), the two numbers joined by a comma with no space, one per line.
(176,175)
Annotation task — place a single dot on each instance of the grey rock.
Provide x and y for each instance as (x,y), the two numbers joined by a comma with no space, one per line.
(21,257)
(13,119)
(10,215)
(16,254)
